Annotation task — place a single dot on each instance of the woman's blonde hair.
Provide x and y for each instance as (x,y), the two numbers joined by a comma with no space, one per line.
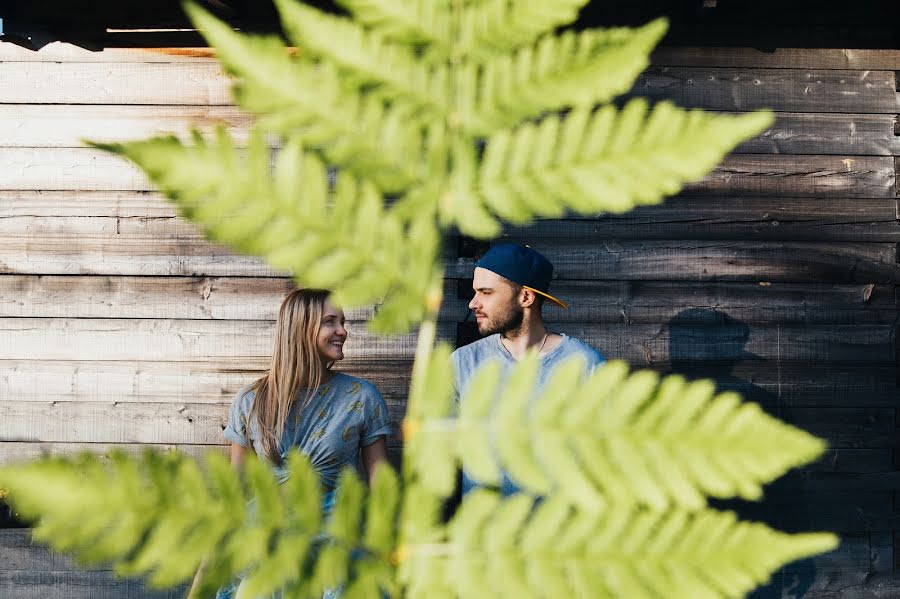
(295,366)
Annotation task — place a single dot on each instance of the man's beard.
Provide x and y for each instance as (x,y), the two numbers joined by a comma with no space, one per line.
(509,320)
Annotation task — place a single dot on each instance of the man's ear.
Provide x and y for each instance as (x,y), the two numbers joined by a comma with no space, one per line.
(527,298)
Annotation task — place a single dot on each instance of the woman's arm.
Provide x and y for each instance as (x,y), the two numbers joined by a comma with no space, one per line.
(372,455)
(237,456)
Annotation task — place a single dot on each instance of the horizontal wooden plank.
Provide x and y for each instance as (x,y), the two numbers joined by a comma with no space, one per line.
(762,262)
(63,52)
(68,125)
(12,452)
(166,246)
(76,584)
(63,169)
(777,58)
(793,90)
(800,385)
(777,219)
(253,298)
(165,423)
(172,423)
(837,511)
(634,302)
(200,83)
(75,203)
(147,381)
(113,422)
(211,341)
(795,385)
(826,133)
(174,340)
(676,343)
(805,176)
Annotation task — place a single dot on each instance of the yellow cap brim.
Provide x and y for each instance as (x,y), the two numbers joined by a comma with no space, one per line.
(559,303)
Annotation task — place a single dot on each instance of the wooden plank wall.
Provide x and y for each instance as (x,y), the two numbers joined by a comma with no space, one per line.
(777,274)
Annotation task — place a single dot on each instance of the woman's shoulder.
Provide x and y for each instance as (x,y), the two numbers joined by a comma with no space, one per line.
(355,385)
(244,398)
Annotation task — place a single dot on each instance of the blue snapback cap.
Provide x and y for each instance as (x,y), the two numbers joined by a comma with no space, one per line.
(522,265)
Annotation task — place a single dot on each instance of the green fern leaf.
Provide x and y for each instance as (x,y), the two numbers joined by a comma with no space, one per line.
(353,245)
(497,26)
(615,438)
(299,97)
(415,22)
(366,59)
(619,552)
(162,515)
(558,72)
(606,161)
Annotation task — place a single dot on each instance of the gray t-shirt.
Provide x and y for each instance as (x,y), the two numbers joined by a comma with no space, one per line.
(345,414)
(467,359)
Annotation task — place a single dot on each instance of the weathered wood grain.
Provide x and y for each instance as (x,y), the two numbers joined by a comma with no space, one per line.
(214,381)
(687,260)
(826,133)
(210,341)
(776,219)
(12,452)
(64,169)
(199,83)
(76,584)
(803,176)
(799,385)
(79,203)
(68,125)
(844,511)
(165,423)
(793,90)
(682,217)
(708,302)
(173,340)
(172,423)
(778,58)
(627,302)
(762,262)
(677,343)
(794,385)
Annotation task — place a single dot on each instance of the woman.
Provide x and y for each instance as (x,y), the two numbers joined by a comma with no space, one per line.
(300,402)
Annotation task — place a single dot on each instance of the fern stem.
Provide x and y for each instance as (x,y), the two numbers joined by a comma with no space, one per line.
(427,334)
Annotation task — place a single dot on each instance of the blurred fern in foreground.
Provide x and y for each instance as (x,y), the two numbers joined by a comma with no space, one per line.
(379,134)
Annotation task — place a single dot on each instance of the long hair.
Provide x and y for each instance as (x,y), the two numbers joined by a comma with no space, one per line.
(295,365)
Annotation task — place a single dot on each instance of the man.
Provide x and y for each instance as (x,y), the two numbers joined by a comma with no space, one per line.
(511,284)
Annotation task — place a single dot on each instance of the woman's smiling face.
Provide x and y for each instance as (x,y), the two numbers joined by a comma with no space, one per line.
(332,334)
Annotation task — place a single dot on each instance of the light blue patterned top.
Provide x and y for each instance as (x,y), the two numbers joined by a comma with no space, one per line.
(467,359)
(345,414)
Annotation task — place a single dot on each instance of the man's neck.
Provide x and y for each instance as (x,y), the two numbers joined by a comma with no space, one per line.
(527,336)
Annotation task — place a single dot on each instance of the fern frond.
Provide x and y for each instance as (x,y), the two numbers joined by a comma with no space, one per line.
(571,69)
(604,161)
(164,515)
(610,438)
(348,242)
(510,548)
(415,22)
(493,27)
(365,58)
(297,97)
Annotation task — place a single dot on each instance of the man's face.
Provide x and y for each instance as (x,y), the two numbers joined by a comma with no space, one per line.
(496,303)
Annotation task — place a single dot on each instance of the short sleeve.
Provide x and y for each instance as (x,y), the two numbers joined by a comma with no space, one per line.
(377,422)
(236,429)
